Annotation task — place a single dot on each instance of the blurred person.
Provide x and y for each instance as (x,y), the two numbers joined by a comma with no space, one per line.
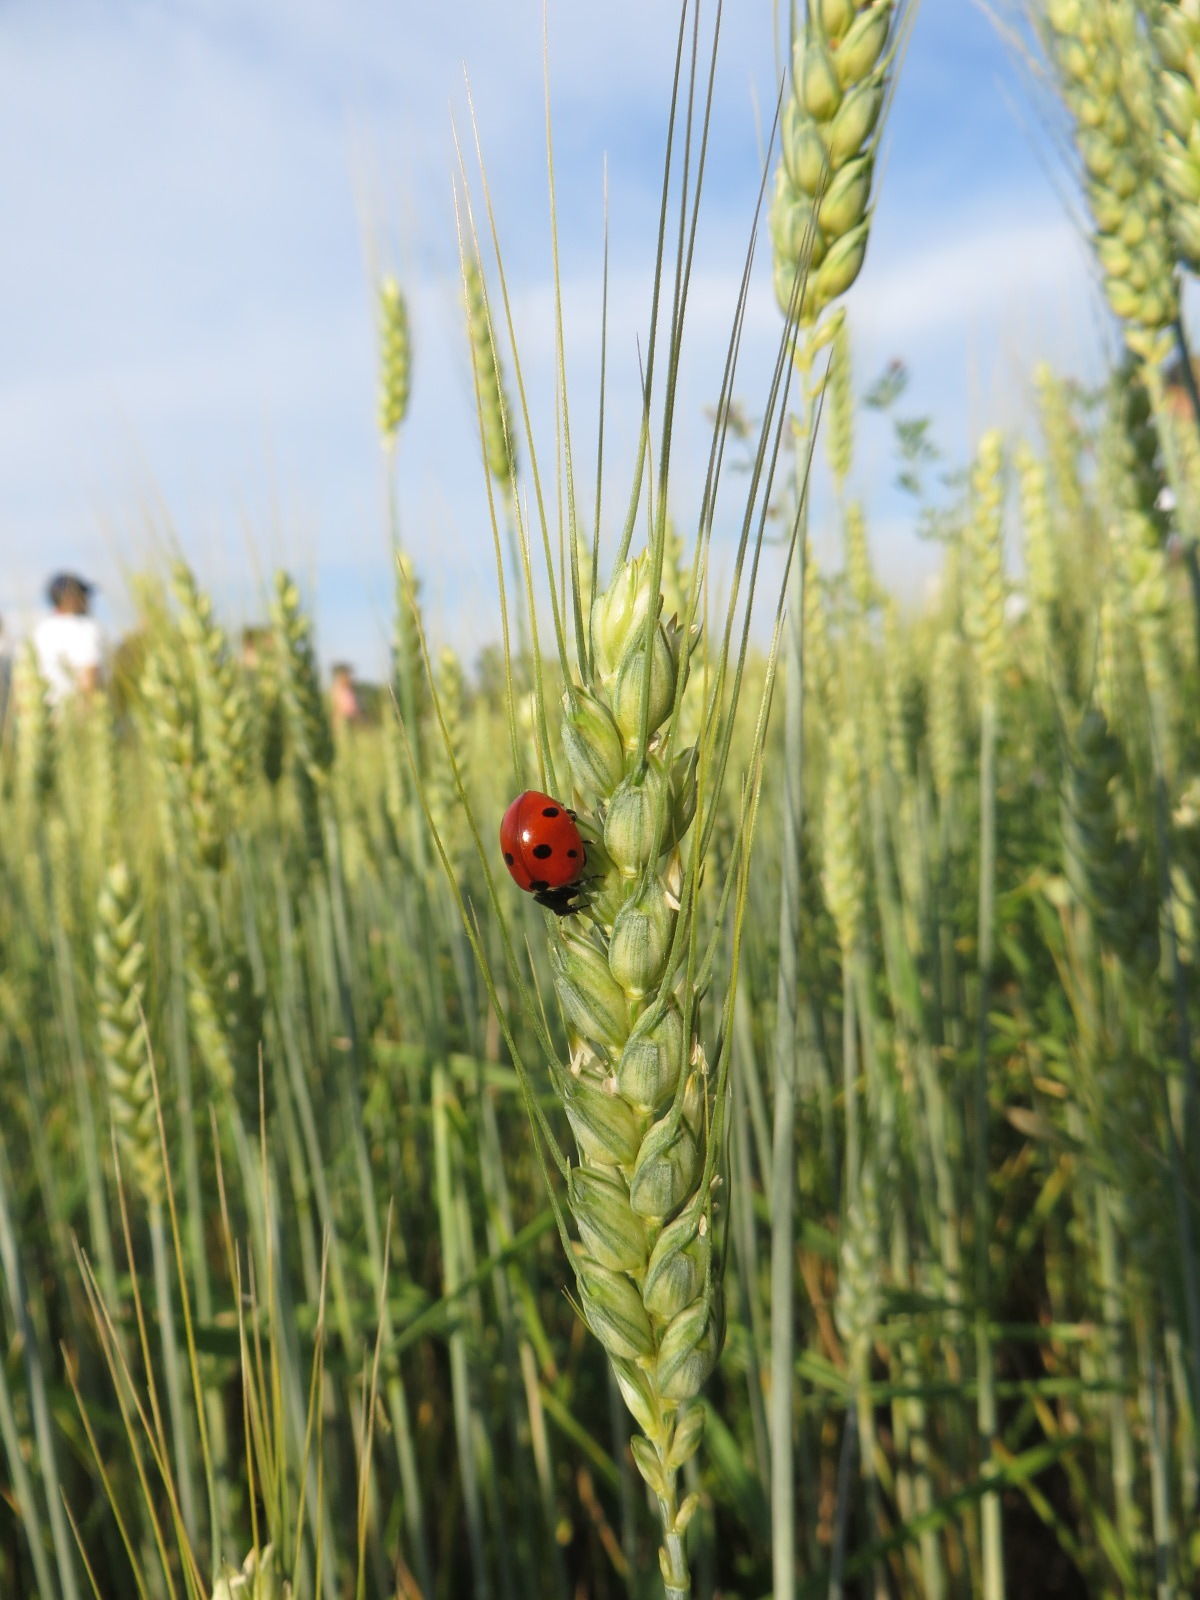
(256,640)
(343,697)
(69,643)
(1180,384)
(1182,394)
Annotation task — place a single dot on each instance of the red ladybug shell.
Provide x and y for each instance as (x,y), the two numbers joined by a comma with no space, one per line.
(542,846)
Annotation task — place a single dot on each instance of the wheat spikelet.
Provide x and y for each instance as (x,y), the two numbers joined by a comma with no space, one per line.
(269,719)
(859,1299)
(636,1089)
(499,445)
(170,723)
(306,715)
(222,701)
(843,874)
(1110,658)
(408,671)
(260,1577)
(167,708)
(103,777)
(120,977)
(897,684)
(193,817)
(1132,239)
(859,574)
(820,668)
(819,214)
(983,610)
(1104,865)
(395,359)
(1064,443)
(1139,563)
(395,779)
(838,413)
(1176,37)
(224,1014)
(308,803)
(1141,572)
(946,722)
(1041,554)
(1130,445)
(34,736)
(71,762)
(450,756)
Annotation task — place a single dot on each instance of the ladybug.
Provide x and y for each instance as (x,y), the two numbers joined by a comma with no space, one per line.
(544,851)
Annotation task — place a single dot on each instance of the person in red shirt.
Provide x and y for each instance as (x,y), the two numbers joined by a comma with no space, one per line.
(343,697)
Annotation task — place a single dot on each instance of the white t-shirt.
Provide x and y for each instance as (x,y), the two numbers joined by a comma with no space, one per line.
(67,645)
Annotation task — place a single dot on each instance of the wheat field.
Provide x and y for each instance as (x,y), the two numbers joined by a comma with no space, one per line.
(812,1207)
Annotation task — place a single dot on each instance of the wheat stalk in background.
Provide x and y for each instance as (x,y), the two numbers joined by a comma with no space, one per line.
(983,620)
(843,56)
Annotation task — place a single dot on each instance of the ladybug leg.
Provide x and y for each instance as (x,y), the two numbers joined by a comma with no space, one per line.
(560,901)
(568,901)
(564,902)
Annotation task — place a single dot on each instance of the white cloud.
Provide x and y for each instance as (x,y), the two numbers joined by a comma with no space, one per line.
(972,271)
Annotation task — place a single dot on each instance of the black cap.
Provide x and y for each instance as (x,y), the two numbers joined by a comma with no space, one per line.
(64,583)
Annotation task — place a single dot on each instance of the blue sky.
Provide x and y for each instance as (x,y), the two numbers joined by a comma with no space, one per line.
(200,194)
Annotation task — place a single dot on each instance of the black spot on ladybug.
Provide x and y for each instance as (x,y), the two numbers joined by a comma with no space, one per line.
(539,885)
(549,811)
(508,858)
(541,851)
(572,854)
